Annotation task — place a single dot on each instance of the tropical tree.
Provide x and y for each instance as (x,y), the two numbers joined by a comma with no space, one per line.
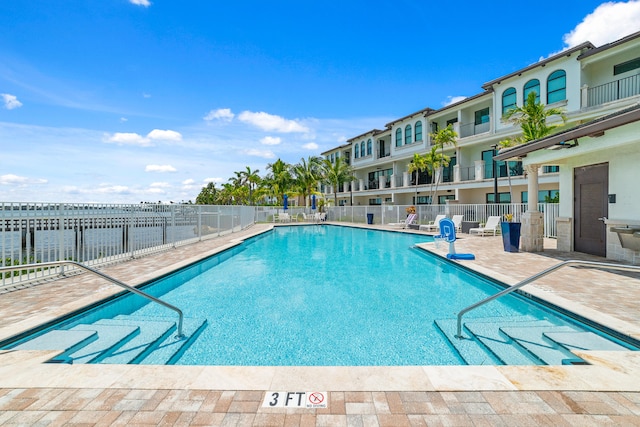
(279,180)
(306,175)
(250,178)
(434,161)
(336,174)
(417,165)
(441,139)
(208,195)
(532,118)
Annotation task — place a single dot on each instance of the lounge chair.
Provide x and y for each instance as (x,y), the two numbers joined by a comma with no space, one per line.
(435,226)
(284,217)
(457,222)
(491,227)
(404,223)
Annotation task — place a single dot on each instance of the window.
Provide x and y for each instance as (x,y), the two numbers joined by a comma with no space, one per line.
(355,151)
(398,137)
(544,196)
(557,87)
(452,121)
(447,171)
(508,100)
(482,116)
(407,135)
(333,158)
(443,199)
(369,147)
(550,169)
(434,127)
(375,202)
(362,149)
(422,200)
(626,66)
(418,136)
(531,86)
(487,156)
(502,198)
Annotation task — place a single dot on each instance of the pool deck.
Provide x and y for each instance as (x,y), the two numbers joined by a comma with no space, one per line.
(606,392)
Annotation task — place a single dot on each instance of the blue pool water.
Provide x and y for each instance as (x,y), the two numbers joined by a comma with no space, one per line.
(324,295)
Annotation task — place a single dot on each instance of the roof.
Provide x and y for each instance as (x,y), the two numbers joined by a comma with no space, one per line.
(372,132)
(568,52)
(593,128)
(609,45)
(423,112)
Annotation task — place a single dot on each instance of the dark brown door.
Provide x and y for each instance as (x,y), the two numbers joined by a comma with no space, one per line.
(591,186)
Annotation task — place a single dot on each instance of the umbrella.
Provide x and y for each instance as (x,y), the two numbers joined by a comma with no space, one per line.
(286,199)
(313,202)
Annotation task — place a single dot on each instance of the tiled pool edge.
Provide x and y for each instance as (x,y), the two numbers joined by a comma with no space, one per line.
(610,372)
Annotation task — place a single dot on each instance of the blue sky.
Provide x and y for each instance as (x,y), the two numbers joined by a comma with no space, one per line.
(123,101)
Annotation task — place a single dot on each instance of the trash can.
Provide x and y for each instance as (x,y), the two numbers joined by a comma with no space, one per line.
(369,218)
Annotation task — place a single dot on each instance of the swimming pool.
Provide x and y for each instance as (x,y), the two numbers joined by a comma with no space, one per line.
(322,295)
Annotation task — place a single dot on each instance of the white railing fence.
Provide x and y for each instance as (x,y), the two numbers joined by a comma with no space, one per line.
(388,214)
(95,234)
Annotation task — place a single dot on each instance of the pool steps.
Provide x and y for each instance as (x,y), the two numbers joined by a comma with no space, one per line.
(520,340)
(125,339)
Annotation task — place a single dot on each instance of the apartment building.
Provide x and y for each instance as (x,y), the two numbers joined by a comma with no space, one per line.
(589,83)
(381,158)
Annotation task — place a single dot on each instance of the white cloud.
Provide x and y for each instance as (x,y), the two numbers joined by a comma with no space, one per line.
(216,180)
(188,182)
(272,123)
(127,138)
(222,114)
(609,22)
(145,3)
(124,119)
(160,185)
(160,168)
(112,189)
(167,135)
(452,100)
(10,101)
(11,179)
(265,154)
(310,146)
(270,140)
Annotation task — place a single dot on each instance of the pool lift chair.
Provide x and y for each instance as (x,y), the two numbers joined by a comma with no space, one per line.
(448,235)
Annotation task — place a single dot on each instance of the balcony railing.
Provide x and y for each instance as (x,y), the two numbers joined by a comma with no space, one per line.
(618,89)
(470,129)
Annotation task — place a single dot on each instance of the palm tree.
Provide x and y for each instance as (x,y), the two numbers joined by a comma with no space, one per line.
(440,139)
(532,119)
(279,180)
(417,165)
(336,174)
(434,161)
(250,178)
(307,175)
(208,195)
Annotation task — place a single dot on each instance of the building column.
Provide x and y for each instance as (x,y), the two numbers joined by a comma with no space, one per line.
(532,234)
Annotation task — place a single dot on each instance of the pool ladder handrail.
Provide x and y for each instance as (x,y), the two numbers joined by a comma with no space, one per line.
(129,288)
(535,277)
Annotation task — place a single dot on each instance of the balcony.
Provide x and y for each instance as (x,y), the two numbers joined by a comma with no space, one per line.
(613,91)
(470,129)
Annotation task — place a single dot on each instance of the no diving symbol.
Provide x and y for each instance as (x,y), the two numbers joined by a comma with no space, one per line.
(316,398)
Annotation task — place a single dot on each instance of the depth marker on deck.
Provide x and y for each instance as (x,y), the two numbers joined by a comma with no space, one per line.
(295,399)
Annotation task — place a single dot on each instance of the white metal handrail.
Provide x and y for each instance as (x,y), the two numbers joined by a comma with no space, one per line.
(104,276)
(535,277)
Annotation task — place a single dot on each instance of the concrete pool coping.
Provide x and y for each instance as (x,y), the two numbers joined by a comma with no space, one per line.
(609,371)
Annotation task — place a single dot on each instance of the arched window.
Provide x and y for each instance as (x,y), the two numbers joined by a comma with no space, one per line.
(398,137)
(407,135)
(557,87)
(418,131)
(531,86)
(508,100)
(355,151)
(369,147)
(362,149)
